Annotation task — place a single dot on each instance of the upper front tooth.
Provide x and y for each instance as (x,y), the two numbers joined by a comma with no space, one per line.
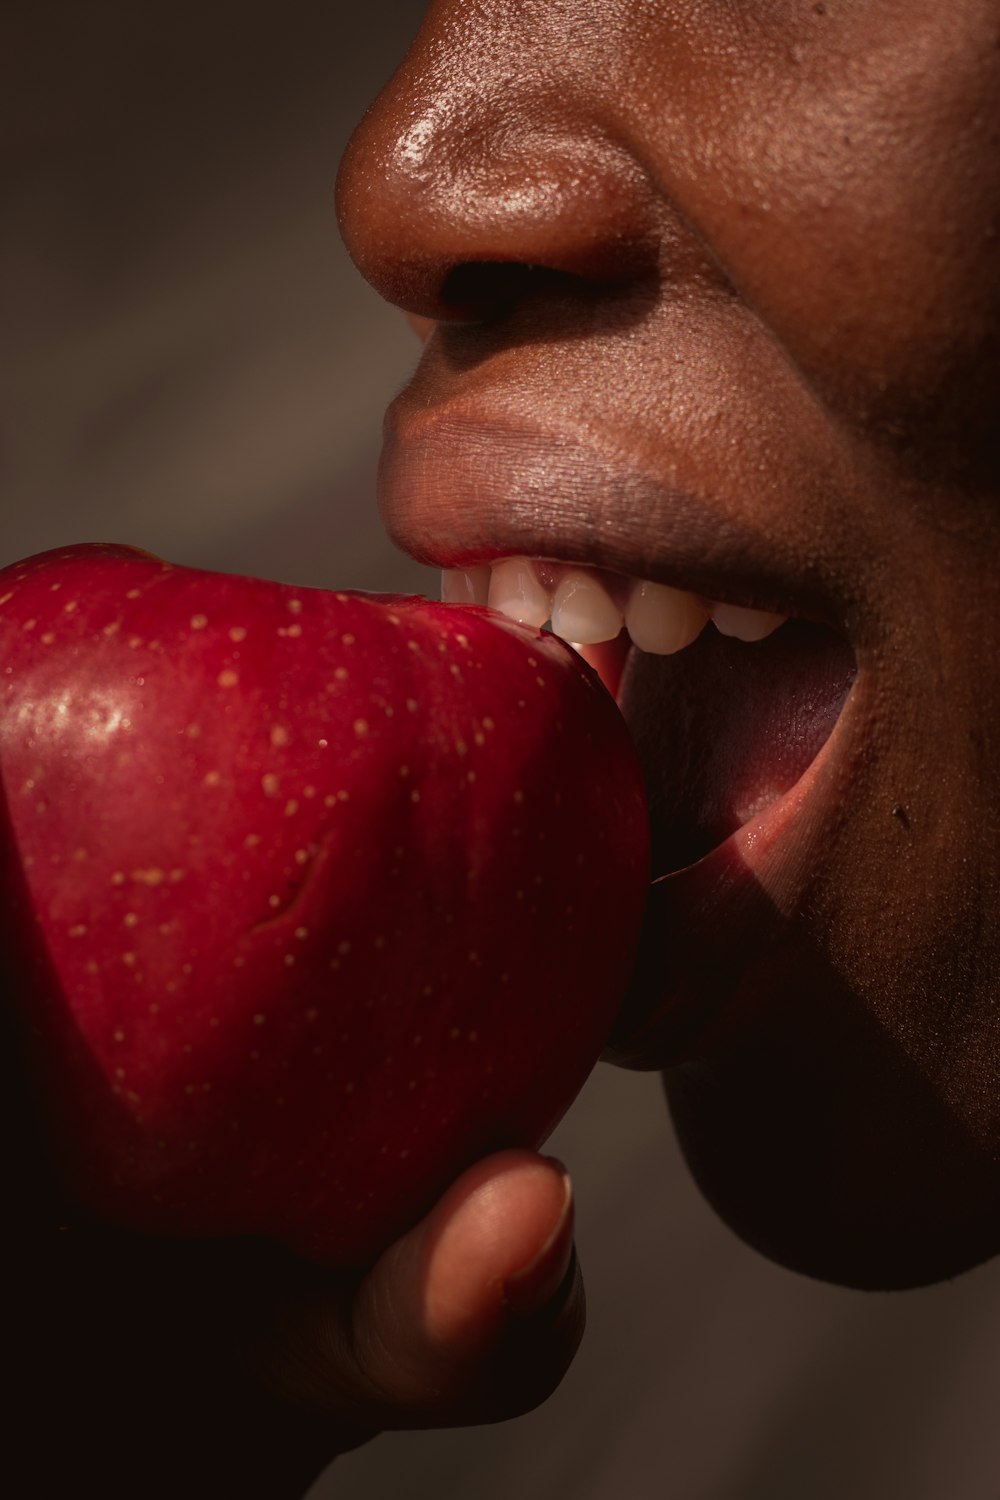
(745,624)
(516,591)
(584,611)
(465,585)
(661,619)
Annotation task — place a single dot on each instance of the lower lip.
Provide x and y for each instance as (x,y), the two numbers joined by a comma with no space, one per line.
(712,926)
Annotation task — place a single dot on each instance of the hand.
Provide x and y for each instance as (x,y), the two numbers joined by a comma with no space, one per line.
(157,1368)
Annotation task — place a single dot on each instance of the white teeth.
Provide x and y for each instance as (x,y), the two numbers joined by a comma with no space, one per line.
(662,620)
(515,591)
(583,610)
(745,624)
(659,619)
(465,585)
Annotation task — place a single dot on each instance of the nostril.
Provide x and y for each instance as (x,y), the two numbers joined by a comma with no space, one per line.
(488,290)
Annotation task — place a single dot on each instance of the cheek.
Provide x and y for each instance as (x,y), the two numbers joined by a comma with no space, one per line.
(849,184)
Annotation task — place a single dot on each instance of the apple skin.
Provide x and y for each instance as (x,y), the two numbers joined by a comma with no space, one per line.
(309,899)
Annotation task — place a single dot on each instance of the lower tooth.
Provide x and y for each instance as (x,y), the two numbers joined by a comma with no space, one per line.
(661,620)
(583,611)
(517,593)
(465,585)
(745,624)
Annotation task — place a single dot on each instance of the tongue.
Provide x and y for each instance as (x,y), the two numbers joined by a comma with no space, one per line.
(723,728)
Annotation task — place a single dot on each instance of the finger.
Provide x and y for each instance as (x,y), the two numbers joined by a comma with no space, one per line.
(496,1248)
(473,1316)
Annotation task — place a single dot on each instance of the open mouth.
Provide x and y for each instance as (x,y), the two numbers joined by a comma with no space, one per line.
(728,706)
(722,618)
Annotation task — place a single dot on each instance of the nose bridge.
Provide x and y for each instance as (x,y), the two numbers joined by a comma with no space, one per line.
(488,145)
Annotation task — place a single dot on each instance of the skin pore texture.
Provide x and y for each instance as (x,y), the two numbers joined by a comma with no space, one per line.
(715,293)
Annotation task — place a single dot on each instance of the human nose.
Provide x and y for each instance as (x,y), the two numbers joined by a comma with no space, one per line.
(474,183)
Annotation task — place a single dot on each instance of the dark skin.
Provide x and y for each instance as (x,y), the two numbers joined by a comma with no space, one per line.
(756,355)
(713,297)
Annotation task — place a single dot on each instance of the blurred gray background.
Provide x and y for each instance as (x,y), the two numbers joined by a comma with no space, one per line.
(190,364)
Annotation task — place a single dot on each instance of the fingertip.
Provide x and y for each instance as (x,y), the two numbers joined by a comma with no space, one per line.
(501,1245)
(437,1306)
(535,1285)
(473,1316)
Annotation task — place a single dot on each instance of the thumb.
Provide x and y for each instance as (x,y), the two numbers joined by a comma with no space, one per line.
(474,1316)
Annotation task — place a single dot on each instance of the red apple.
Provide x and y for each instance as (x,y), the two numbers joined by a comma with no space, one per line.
(309,898)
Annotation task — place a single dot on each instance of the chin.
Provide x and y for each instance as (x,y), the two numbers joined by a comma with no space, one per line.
(820,1147)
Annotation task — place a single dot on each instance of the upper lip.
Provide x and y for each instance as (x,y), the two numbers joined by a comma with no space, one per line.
(460,484)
